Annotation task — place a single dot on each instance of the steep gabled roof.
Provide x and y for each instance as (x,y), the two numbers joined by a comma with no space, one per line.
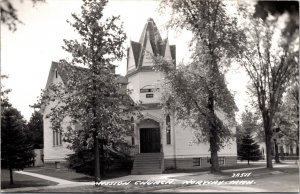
(158,45)
(150,31)
(136,48)
(62,71)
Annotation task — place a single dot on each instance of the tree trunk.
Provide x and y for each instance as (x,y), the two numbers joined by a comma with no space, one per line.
(97,162)
(102,158)
(268,138)
(11,176)
(214,159)
(213,140)
(276,152)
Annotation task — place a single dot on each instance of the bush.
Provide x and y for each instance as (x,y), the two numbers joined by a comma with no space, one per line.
(82,161)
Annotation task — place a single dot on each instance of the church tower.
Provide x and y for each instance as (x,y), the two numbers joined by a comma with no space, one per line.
(143,81)
(152,135)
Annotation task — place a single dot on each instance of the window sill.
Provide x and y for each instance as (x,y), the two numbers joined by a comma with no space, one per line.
(57,146)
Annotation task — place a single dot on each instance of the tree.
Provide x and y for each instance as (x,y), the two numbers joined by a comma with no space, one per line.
(16,147)
(4,98)
(250,125)
(265,8)
(9,14)
(286,120)
(91,96)
(249,149)
(35,127)
(270,59)
(199,89)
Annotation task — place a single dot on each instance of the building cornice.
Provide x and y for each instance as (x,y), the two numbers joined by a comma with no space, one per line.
(140,69)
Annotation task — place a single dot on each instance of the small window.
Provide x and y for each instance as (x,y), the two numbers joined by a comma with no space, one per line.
(208,160)
(149,95)
(57,138)
(146,90)
(132,130)
(196,161)
(168,129)
(60,138)
(53,138)
(55,73)
(132,140)
(221,161)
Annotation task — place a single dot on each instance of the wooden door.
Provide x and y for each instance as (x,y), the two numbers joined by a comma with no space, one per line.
(150,140)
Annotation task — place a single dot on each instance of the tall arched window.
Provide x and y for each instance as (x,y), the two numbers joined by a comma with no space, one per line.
(168,129)
(57,138)
(132,130)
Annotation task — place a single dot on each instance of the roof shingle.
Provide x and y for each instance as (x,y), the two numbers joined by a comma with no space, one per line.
(158,45)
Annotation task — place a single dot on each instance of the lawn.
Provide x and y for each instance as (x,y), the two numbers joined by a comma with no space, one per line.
(237,166)
(65,174)
(256,174)
(71,175)
(21,180)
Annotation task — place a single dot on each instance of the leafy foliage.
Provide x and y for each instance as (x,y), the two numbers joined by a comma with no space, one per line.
(264,8)
(287,117)
(270,58)
(250,125)
(186,93)
(4,98)
(35,128)
(91,95)
(197,90)
(83,160)
(16,147)
(9,14)
(91,103)
(249,149)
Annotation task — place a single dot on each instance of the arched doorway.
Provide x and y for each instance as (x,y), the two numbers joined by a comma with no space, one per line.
(149,136)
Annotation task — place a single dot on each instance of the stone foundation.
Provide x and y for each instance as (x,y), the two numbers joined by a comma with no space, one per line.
(57,164)
(188,163)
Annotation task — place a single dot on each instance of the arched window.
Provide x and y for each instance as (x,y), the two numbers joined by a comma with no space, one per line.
(132,130)
(168,129)
(57,138)
(53,137)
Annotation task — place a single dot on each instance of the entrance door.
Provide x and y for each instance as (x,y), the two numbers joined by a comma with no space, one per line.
(150,140)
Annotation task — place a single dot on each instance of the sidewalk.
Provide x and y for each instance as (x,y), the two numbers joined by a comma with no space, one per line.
(62,183)
(177,178)
(264,162)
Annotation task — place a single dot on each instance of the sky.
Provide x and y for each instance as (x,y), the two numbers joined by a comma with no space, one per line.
(26,54)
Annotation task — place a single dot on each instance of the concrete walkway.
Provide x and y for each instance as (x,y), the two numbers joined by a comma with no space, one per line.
(242,169)
(48,178)
(62,183)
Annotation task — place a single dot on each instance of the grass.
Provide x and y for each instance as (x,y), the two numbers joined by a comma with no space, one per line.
(21,180)
(238,166)
(28,181)
(256,174)
(65,174)
(71,175)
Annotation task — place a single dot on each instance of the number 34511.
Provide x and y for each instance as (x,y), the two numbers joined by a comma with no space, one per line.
(241,174)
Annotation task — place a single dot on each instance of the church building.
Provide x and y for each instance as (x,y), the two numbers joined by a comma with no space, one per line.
(159,142)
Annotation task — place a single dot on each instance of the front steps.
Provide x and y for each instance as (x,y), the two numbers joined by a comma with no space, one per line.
(147,163)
